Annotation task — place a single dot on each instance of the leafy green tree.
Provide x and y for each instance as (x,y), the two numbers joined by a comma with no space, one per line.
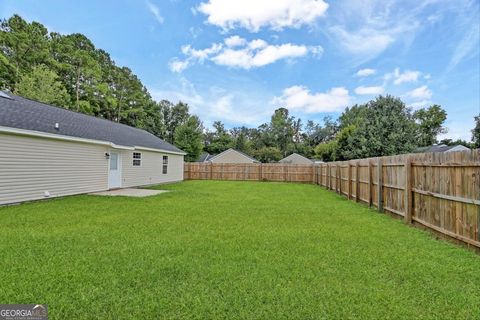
(242,143)
(429,124)
(346,148)
(387,128)
(76,64)
(282,129)
(24,44)
(244,139)
(173,117)
(327,151)
(42,84)
(476,133)
(352,116)
(268,154)
(188,137)
(7,74)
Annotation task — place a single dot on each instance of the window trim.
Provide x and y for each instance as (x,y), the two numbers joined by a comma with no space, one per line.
(164,164)
(137,161)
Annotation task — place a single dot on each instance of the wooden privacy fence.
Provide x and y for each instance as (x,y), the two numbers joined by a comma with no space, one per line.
(250,171)
(440,191)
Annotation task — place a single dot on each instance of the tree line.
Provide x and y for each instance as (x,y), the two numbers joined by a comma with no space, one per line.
(70,72)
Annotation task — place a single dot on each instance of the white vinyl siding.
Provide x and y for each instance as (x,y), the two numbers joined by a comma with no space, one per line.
(31,166)
(150,172)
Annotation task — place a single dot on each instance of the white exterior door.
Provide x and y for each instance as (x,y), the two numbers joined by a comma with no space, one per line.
(114,171)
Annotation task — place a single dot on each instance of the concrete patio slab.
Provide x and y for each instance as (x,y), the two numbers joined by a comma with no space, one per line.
(129,192)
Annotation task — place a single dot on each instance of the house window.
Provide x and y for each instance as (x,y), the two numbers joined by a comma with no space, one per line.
(137,159)
(165,165)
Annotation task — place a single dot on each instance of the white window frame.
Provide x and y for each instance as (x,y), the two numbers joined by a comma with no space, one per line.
(165,165)
(139,159)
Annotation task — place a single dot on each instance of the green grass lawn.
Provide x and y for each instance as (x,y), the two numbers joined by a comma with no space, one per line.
(232,250)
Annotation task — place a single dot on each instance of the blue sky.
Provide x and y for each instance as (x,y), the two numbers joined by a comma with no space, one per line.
(236,61)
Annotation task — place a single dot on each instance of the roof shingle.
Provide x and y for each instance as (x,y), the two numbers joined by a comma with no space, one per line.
(21,113)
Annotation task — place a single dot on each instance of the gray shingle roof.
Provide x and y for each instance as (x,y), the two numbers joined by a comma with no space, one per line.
(20,113)
(436,148)
(204,157)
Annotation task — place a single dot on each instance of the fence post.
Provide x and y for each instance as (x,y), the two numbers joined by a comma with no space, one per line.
(336,178)
(349,181)
(357,182)
(260,172)
(370,197)
(380,184)
(321,176)
(211,170)
(339,169)
(408,190)
(327,176)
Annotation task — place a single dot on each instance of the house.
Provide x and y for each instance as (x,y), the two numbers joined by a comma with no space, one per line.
(296,158)
(442,148)
(230,156)
(46,151)
(204,157)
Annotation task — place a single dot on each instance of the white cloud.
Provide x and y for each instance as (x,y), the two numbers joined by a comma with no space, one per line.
(420,93)
(402,77)
(365,72)
(458,129)
(214,103)
(246,58)
(255,14)
(369,90)
(235,41)
(365,29)
(468,46)
(241,54)
(468,31)
(203,54)
(299,98)
(184,91)
(223,107)
(420,104)
(368,42)
(155,11)
(176,65)
(257,44)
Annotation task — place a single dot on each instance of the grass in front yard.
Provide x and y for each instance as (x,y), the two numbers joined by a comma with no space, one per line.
(234,250)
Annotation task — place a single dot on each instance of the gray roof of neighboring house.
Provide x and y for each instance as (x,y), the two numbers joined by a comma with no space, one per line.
(205,156)
(440,148)
(21,113)
(295,155)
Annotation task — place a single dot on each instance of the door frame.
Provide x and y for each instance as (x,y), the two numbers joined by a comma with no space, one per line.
(119,169)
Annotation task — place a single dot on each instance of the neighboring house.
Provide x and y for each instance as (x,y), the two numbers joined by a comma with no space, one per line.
(442,148)
(47,151)
(231,156)
(204,157)
(295,158)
